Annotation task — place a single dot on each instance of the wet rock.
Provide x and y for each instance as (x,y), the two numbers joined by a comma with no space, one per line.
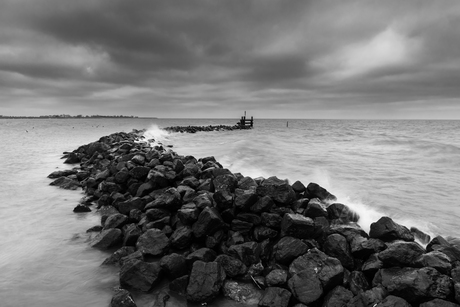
(420,235)
(122,298)
(261,233)
(387,230)
(182,237)
(358,282)
(209,221)
(298,226)
(315,209)
(115,258)
(288,248)
(276,277)
(316,191)
(134,203)
(179,285)
(156,214)
(272,220)
(248,252)
(203,254)
(188,214)
(439,303)
(244,293)
(338,211)
(244,199)
(140,275)
(246,183)
(96,228)
(170,200)
(174,265)
(227,182)
(362,247)
(81,208)
(305,286)
(131,234)
(393,301)
(153,242)
(401,254)
(139,172)
(232,266)
(435,259)
(275,297)
(206,280)
(62,173)
(278,190)
(241,226)
(368,298)
(337,297)
(414,285)
(298,187)
(115,221)
(72,158)
(66,183)
(337,246)
(263,204)
(107,238)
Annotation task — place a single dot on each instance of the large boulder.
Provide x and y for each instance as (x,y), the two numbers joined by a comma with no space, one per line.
(437,260)
(316,191)
(298,226)
(401,254)
(337,297)
(206,279)
(278,190)
(181,237)
(66,183)
(393,301)
(244,293)
(107,238)
(140,275)
(209,221)
(174,265)
(337,246)
(134,203)
(414,285)
(153,242)
(232,266)
(248,252)
(287,249)
(275,297)
(387,230)
(306,286)
(439,303)
(122,298)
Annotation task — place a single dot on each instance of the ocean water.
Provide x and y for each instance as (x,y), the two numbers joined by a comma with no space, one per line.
(408,170)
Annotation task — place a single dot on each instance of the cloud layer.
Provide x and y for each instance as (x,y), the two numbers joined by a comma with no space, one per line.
(327,59)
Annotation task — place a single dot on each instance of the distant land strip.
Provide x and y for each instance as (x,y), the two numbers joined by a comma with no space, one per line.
(70,116)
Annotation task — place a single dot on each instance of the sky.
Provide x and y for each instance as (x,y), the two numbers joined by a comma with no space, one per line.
(369,59)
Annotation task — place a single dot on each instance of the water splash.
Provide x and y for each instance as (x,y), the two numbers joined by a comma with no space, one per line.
(156,133)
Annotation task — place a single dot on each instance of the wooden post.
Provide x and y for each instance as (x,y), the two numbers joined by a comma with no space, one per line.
(252,122)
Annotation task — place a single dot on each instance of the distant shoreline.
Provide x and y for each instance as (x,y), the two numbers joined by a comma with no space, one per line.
(70,117)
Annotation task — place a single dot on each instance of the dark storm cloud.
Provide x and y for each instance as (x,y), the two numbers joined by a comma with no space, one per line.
(263,54)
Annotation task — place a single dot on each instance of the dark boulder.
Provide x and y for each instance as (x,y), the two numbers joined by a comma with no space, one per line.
(170,200)
(272,220)
(387,230)
(298,187)
(420,235)
(203,254)
(174,265)
(122,298)
(81,208)
(131,234)
(368,298)
(139,172)
(242,292)
(232,266)
(276,277)
(275,297)
(209,221)
(179,285)
(393,301)
(435,259)
(117,220)
(153,242)
(316,191)
(263,204)
(287,249)
(342,213)
(62,173)
(358,282)
(439,303)
(298,226)
(134,203)
(188,214)
(248,252)
(115,258)
(140,275)
(66,183)
(261,233)
(362,247)
(401,254)
(107,238)
(181,237)
(278,190)
(206,279)
(337,246)
(315,208)
(414,285)
(244,199)
(306,286)
(337,297)
(223,199)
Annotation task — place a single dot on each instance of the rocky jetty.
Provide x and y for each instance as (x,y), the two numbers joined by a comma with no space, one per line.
(194,129)
(263,241)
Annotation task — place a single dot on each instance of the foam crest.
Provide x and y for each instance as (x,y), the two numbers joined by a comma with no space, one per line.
(156,133)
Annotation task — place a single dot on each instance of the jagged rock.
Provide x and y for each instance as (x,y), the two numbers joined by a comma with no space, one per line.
(179,285)
(62,173)
(134,203)
(66,183)
(203,200)
(362,247)
(170,200)
(414,285)
(181,237)
(387,230)
(241,226)
(338,211)
(226,182)
(115,221)
(435,259)
(107,238)
(206,279)
(372,265)
(438,303)
(153,242)
(72,158)
(316,191)
(337,246)
(122,298)
(420,235)
(368,298)
(232,266)
(81,208)
(264,204)
(401,254)
(288,248)
(248,252)
(209,221)
(315,209)
(131,234)
(188,214)
(276,277)
(246,183)
(156,214)
(96,228)
(275,297)
(278,190)
(358,282)
(139,172)
(298,187)
(393,301)
(337,297)
(244,199)
(262,233)
(306,286)
(203,254)
(174,265)
(140,275)
(115,258)
(298,226)
(244,293)
(272,220)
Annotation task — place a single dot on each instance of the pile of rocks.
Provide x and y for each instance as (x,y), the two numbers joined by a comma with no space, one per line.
(263,241)
(194,129)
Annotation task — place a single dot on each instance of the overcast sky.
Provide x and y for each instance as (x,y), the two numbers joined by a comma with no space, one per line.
(274,59)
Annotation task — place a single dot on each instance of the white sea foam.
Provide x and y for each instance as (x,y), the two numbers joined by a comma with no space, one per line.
(154,132)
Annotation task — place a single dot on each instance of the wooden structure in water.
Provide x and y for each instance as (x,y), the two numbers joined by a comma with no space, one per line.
(246,123)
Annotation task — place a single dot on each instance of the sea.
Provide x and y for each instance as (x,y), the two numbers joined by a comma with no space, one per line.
(408,170)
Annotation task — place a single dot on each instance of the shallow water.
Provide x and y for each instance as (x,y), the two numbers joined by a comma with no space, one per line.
(408,170)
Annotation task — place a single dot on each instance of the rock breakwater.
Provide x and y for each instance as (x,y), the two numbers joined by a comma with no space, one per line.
(194,129)
(262,241)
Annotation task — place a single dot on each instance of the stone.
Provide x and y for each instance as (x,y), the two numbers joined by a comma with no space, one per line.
(362,247)
(337,211)
(435,259)
(81,208)
(316,191)
(305,286)
(153,242)
(227,182)
(298,187)
(139,172)
(232,266)
(244,199)
(246,183)
(401,254)
(278,190)
(223,199)
(337,297)
(209,221)
(287,249)
(131,234)
(203,254)
(169,200)
(438,303)
(368,298)
(393,301)
(420,235)
(248,252)
(107,238)
(272,220)
(206,280)
(62,173)
(156,214)
(66,183)
(117,220)
(262,233)
(337,246)
(179,285)
(263,204)
(315,209)
(174,265)
(276,277)
(181,237)
(122,298)
(414,285)
(244,293)
(387,230)
(241,226)
(358,282)
(298,226)
(140,275)
(134,203)
(115,258)
(275,297)
(188,214)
